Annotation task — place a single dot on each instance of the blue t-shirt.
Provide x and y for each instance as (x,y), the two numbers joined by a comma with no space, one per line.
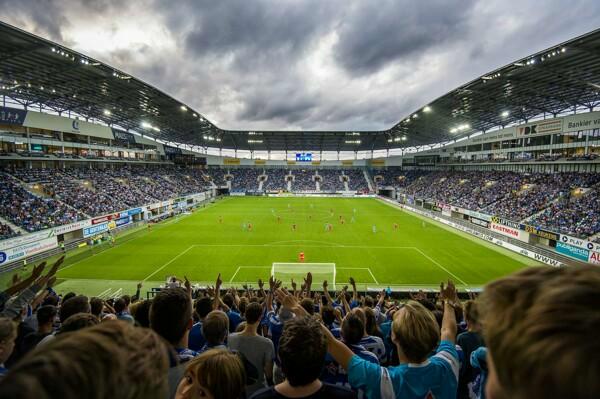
(185,355)
(335,374)
(195,339)
(207,347)
(374,345)
(234,320)
(386,330)
(437,377)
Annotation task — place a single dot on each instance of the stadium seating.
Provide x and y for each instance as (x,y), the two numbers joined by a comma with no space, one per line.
(6,231)
(330,180)
(245,179)
(276,179)
(514,196)
(577,216)
(31,212)
(356,180)
(303,180)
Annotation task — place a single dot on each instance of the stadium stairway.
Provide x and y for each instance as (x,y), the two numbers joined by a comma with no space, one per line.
(369,181)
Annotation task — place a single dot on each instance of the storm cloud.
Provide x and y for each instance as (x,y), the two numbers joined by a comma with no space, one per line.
(313,64)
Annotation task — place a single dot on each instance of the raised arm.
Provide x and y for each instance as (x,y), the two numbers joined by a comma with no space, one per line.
(354,291)
(326,293)
(449,296)
(340,352)
(217,301)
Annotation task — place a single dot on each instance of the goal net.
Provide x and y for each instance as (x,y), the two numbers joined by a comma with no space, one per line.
(297,271)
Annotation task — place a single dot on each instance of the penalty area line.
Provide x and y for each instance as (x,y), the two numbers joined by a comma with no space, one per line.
(440,266)
(168,263)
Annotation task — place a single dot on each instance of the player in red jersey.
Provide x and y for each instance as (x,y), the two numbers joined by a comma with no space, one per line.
(301,256)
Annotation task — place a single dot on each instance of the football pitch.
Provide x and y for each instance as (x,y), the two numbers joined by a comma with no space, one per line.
(363,243)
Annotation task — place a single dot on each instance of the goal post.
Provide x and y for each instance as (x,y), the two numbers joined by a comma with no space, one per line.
(297,271)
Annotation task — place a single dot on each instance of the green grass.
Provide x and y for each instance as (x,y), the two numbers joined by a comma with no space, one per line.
(200,247)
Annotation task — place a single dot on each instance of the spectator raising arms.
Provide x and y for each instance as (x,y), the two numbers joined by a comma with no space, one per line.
(415,333)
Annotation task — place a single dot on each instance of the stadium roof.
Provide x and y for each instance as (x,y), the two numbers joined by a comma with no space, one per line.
(35,71)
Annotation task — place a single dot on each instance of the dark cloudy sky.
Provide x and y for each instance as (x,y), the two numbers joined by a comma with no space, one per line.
(311,64)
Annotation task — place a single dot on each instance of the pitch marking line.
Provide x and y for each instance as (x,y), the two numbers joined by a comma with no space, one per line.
(168,263)
(361,268)
(440,266)
(246,267)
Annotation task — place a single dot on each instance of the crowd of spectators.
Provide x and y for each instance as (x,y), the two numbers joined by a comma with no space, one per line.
(573,215)
(537,192)
(356,180)
(32,213)
(96,192)
(6,231)
(511,195)
(303,180)
(396,177)
(276,179)
(302,341)
(245,179)
(217,176)
(330,180)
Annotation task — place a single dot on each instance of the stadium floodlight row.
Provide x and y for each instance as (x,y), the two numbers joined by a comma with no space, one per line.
(559,80)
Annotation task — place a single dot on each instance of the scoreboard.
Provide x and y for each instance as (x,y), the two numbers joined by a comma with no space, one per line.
(304,157)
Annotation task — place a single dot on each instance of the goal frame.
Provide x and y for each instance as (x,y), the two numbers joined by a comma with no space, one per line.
(306,266)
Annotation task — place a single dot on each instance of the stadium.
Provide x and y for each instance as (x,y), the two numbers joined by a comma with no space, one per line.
(133,197)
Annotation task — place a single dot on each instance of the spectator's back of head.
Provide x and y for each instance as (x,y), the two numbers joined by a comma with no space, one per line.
(8,333)
(78,321)
(253,313)
(110,360)
(302,350)
(229,300)
(328,315)
(120,305)
(352,329)
(541,329)
(472,314)
(203,306)
(415,331)
(218,371)
(73,305)
(171,314)
(309,305)
(141,312)
(68,296)
(96,306)
(46,314)
(215,327)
